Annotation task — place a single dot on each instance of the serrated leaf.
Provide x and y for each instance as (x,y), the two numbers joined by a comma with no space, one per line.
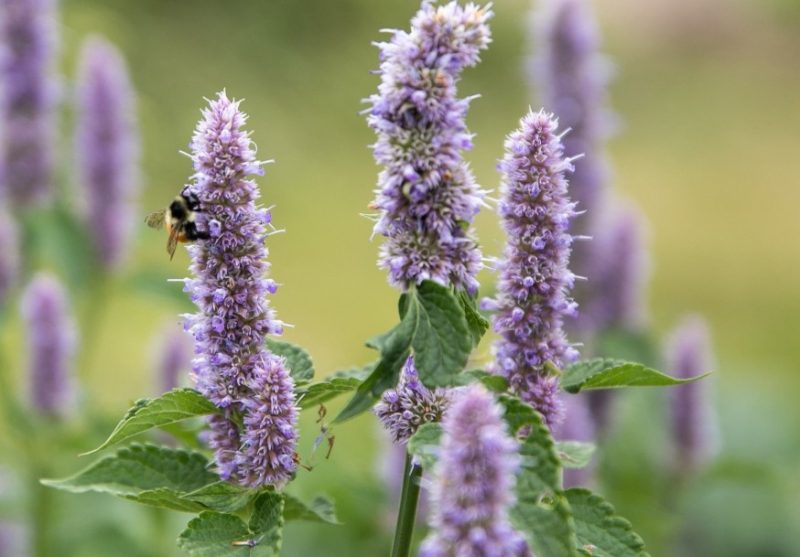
(424,444)
(442,341)
(301,367)
(601,532)
(318,393)
(165,498)
(320,509)
(477,323)
(169,408)
(395,347)
(142,468)
(603,373)
(221,496)
(215,534)
(575,454)
(541,512)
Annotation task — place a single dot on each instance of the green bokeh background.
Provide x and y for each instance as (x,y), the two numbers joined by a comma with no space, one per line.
(709,104)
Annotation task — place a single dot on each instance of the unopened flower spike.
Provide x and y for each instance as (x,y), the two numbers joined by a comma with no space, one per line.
(473,482)
(533,289)
(232,367)
(426,194)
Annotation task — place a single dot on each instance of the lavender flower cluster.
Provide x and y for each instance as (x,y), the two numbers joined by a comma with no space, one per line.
(473,482)
(51,345)
(232,367)
(106,147)
(27,102)
(426,195)
(534,281)
(403,409)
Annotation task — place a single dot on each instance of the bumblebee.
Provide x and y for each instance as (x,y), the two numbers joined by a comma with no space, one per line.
(179,220)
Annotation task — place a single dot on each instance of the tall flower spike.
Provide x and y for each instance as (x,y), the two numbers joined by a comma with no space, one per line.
(472,487)
(27,98)
(51,343)
(9,255)
(693,425)
(426,195)
(232,366)
(533,289)
(572,79)
(106,147)
(403,409)
(621,271)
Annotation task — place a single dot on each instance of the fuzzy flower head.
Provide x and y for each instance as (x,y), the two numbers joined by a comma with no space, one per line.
(232,367)
(694,428)
(51,343)
(106,147)
(621,270)
(533,289)
(27,98)
(426,194)
(403,409)
(472,487)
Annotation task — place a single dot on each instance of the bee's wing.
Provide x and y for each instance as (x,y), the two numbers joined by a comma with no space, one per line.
(172,242)
(156,219)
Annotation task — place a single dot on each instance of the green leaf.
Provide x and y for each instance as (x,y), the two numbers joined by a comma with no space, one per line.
(575,454)
(395,347)
(495,383)
(321,509)
(169,408)
(146,474)
(603,373)
(318,393)
(215,534)
(477,323)
(442,341)
(424,444)
(601,532)
(221,496)
(541,512)
(300,365)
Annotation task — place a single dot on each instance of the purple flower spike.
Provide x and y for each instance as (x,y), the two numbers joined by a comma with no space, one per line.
(107,147)
(9,255)
(403,409)
(426,195)
(533,289)
(174,357)
(27,101)
(693,425)
(572,78)
(51,343)
(472,487)
(621,271)
(232,367)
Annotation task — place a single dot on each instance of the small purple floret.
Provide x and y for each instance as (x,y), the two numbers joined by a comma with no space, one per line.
(403,409)
(426,195)
(232,367)
(51,343)
(533,289)
(473,482)
(106,148)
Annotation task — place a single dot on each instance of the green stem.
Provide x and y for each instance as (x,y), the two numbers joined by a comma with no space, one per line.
(162,543)
(41,517)
(406,515)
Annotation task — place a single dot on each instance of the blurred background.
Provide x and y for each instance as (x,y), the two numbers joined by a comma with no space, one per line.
(707,95)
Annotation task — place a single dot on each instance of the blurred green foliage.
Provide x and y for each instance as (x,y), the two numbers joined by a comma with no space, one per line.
(709,130)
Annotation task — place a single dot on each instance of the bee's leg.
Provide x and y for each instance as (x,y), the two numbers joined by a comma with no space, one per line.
(192,233)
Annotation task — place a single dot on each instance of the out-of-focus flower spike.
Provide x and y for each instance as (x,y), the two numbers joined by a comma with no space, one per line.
(473,482)
(106,148)
(173,358)
(51,343)
(27,99)
(9,255)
